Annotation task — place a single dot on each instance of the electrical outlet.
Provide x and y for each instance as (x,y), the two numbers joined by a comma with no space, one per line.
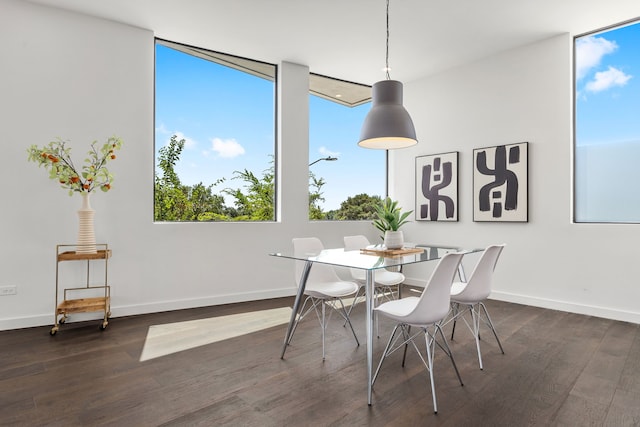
(8,290)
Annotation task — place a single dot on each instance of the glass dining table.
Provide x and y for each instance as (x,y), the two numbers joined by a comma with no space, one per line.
(369,260)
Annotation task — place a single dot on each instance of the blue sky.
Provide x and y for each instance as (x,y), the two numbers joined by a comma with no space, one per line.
(334,130)
(220,114)
(608,86)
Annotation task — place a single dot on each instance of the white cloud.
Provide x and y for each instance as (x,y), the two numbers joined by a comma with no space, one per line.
(604,80)
(227,148)
(324,151)
(188,142)
(589,53)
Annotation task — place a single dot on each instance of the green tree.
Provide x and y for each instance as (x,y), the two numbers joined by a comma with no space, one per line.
(206,206)
(359,207)
(169,199)
(255,201)
(258,204)
(315,197)
(174,201)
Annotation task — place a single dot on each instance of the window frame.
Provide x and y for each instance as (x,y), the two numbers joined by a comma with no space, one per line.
(250,66)
(358,94)
(574,128)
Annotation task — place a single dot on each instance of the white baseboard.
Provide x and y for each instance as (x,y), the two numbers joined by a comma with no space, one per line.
(130,310)
(589,310)
(570,307)
(155,307)
(414,282)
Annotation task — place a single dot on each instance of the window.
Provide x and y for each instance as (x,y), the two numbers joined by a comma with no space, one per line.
(345,179)
(606,125)
(214,136)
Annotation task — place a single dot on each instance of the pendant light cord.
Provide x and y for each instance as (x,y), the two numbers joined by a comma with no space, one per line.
(387,52)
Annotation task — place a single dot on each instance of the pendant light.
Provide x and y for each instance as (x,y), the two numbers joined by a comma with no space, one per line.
(388,125)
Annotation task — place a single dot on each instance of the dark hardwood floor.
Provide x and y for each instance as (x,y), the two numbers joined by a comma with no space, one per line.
(559,369)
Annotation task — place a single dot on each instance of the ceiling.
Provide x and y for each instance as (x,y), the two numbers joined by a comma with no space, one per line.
(346,38)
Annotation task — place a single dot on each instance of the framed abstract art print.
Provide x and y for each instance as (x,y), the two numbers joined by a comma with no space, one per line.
(500,183)
(437,187)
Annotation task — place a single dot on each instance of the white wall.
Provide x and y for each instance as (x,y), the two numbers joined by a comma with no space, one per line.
(522,95)
(80,78)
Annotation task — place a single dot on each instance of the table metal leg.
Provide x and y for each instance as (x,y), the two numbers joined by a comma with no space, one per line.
(369,322)
(296,304)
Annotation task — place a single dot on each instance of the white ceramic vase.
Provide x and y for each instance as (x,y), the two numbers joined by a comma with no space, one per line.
(86,235)
(393,239)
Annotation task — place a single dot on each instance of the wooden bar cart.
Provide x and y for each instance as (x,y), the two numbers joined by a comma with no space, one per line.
(72,304)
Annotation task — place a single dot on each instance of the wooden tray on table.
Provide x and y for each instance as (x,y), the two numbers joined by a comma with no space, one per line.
(391,252)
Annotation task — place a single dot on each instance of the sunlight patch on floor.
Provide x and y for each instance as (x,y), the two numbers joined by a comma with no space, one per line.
(171,338)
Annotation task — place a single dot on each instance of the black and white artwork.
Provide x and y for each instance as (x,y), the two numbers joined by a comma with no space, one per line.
(500,183)
(437,187)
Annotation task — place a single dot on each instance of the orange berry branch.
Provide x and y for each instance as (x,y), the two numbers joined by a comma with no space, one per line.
(56,158)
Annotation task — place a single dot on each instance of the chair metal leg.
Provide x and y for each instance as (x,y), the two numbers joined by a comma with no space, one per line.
(322,316)
(490,323)
(431,342)
(447,350)
(474,328)
(348,320)
(476,311)
(407,334)
(475,319)
(455,307)
(427,339)
(359,293)
(385,353)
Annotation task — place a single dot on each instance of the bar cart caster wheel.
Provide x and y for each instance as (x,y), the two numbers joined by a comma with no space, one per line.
(62,320)
(53,331)
(103,326)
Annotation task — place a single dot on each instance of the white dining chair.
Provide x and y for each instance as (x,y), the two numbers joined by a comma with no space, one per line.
(323,288)
(468,297)
(424,312)
(387,282)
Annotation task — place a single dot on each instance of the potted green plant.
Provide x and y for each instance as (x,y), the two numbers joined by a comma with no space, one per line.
(389,220)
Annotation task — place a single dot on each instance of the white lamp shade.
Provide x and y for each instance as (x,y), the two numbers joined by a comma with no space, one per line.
(388,125)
